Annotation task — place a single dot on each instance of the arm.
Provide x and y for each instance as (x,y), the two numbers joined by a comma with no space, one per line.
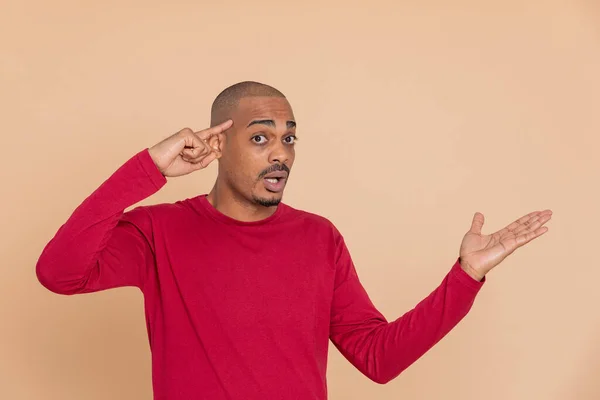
(100,246)
(381,350)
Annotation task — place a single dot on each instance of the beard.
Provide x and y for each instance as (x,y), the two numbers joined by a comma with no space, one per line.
(266,202)
(273,201)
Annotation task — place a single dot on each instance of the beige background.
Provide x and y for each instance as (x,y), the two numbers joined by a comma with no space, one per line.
(411,116)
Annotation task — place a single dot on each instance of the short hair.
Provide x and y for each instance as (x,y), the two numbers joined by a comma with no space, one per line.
(230,97)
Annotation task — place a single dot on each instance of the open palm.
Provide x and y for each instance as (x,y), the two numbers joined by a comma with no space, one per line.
(480,253)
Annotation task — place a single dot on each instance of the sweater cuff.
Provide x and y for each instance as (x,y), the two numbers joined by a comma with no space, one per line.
(149,167)
(464,278)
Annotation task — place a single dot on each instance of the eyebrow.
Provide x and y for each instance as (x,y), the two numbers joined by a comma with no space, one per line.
(271,123)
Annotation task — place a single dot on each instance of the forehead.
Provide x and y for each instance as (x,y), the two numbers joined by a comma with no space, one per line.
(274,108)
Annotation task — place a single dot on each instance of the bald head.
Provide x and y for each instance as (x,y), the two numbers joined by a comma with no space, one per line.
(226,102)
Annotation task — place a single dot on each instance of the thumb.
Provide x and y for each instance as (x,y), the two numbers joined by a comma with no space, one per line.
(215,143)
(477,223)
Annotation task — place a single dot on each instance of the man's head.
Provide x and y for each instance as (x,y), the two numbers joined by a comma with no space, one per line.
(257,153)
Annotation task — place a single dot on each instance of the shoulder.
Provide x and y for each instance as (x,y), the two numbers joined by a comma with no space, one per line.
(159,211)
(319,233)
(312,220)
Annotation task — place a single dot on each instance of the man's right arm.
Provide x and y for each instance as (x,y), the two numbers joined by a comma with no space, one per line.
(101,246)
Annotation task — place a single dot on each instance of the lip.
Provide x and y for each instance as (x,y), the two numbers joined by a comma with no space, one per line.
(275,187)
(277,174)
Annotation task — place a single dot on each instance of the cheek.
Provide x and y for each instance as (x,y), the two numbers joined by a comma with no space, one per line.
(244,164)
(291,156)
(248,167)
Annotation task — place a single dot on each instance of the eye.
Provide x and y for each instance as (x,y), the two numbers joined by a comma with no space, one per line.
(257,139)
(290,139)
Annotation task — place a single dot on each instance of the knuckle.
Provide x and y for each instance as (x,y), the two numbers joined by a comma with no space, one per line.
(186,131)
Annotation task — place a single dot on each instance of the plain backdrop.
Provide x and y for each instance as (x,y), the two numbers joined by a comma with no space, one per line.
(411,117)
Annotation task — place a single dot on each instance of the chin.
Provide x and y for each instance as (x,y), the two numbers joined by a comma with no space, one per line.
(268,200)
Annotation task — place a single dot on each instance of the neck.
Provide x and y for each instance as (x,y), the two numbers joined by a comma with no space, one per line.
(233,205)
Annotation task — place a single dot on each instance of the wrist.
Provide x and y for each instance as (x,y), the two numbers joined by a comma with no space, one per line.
(469,270)
(153,153)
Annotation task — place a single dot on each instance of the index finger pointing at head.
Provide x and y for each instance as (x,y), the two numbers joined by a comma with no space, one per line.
(206,133)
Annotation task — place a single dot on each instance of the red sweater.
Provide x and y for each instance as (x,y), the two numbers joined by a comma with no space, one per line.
(239,310)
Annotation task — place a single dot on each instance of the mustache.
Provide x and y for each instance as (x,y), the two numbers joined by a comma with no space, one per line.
(274,168)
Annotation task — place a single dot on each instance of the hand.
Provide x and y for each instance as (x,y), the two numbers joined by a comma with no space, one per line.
(187,151)
(480,253)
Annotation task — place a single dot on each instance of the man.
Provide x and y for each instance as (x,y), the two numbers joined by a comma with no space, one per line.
(242,291)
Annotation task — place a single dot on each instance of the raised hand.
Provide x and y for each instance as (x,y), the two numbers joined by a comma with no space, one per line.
(480,253)
(187,151)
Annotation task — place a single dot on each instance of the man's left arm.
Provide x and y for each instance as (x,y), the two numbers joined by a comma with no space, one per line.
(381,350)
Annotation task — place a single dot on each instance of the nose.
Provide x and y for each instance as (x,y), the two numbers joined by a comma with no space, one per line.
(280,153)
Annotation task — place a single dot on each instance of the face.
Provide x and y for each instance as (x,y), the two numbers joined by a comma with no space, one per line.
(257,152)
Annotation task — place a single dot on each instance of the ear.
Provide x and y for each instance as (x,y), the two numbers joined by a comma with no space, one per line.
(216,142)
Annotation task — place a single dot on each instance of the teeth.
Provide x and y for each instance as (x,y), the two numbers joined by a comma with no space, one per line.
(272,180)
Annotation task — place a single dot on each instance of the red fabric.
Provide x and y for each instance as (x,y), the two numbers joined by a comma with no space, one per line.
(239,310)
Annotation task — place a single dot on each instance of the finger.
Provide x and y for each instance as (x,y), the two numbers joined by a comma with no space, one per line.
(477,223)
(196,148)
(192,144)
(194,154)
(534,224)
(208,159)
(529,236)
(526,225)
(516,224)
(192,160)
(205,161)
(206,133)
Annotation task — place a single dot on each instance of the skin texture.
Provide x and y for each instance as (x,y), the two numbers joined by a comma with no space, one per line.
(254,134)
(261,140)
(186,151)
(480,253)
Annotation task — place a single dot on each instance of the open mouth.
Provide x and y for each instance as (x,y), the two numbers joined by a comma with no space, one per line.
(274,184)
(275,181)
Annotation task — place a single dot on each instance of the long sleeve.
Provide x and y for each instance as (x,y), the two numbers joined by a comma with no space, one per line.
(101,246)
(381,350)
